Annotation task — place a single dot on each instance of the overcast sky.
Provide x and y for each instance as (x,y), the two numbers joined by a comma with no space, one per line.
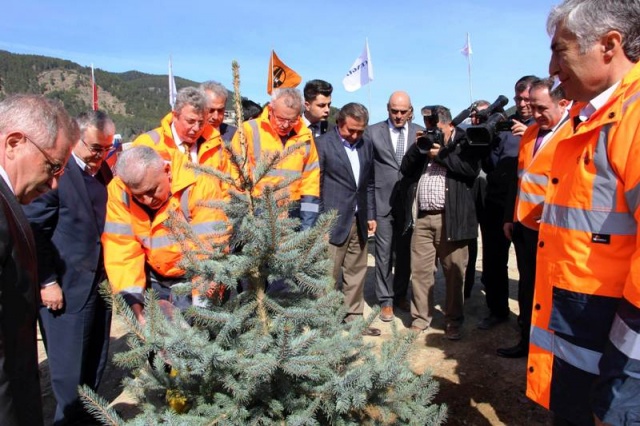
(415,45)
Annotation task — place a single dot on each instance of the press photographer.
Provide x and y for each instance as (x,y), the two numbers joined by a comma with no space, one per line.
(443,215)
(501,167)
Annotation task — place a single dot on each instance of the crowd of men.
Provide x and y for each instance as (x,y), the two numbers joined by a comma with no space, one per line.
(560,182)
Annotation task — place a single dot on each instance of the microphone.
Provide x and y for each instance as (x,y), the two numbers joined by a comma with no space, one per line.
(464,114)
(496,106)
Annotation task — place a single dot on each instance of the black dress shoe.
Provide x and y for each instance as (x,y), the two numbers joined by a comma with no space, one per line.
(491,321)
(371,331)
(403,304)
(518,351)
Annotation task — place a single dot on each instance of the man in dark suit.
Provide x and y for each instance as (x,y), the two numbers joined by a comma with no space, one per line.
(390,140)
(67,225)
(36,137)
(317,106)
(346,185)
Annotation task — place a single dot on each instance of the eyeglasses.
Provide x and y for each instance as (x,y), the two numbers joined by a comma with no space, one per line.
(287,121)
(56,169)
(101,150)
(519,99)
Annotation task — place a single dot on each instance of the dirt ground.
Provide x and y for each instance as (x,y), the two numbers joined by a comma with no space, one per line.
(479,387)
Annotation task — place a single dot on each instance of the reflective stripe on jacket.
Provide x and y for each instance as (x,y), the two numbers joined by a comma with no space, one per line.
(133,242)
(263,141)
(533,174)
(584,356)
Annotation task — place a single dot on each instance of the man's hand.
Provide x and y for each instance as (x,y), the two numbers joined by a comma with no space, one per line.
(507,228)
(518,128)
(435,149)
(138,311)
(371,227)
(52,297)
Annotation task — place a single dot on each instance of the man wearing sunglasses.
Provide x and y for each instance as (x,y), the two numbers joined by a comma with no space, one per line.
(67,224)
(36,138)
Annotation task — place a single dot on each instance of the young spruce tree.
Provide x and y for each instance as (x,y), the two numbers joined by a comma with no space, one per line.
(278,352)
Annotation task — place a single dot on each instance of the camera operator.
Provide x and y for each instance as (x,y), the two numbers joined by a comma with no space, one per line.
(479,190)
(444,216)
(501,166)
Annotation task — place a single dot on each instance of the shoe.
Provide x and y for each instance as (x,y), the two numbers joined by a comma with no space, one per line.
(416,329)
(518,351)
(452,332)
(403,304)
(371,331)
(386,314)
(491,321)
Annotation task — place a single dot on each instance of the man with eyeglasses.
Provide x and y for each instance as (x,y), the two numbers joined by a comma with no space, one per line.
(501,167)
(36,138)
(391,139)
(67,224)
(278,128)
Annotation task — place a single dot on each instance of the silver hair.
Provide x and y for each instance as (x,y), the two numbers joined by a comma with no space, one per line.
(291,97)
(216,88)
(40,118)
(98,119)
(589,20)
(133,164)
(190,96)
(354,110)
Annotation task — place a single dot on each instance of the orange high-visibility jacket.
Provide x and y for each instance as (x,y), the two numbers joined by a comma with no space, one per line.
(132,240)
(262,140)
(533,173)
(210,153)
(584,355)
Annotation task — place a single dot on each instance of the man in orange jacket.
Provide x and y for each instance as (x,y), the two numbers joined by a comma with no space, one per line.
(277,129)
(186,130)
(584,355)
(138,247)
(524,206)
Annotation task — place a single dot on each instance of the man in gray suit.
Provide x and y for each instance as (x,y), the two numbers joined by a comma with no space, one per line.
(346,185)
(390,140)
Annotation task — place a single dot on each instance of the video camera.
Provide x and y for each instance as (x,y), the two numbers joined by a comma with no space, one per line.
(432,134)
(493,120)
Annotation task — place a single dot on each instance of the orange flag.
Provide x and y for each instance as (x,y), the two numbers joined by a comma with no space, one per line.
(280,75)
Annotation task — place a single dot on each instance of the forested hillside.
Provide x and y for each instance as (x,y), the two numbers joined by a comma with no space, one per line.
(135,100)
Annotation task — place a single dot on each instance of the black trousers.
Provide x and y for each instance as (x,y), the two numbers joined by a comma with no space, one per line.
(525,241)
(495,259)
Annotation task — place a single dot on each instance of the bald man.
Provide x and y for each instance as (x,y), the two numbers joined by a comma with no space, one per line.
(390,140)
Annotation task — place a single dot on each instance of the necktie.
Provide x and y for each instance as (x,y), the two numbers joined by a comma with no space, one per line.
(315,129)
(187,151)
(541,135)
(400,145)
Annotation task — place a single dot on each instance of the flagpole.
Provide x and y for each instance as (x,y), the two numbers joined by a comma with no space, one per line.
(469,70)
(366,43)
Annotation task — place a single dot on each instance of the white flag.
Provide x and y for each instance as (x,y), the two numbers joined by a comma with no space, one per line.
(172,86)
(466,50)
(360,73)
